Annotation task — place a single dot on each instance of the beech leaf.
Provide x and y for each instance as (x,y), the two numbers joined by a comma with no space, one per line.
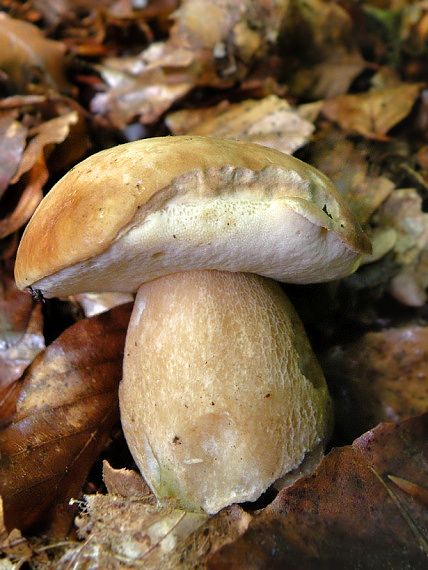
(374,113)
(380,377)
(65,410)
(348,514)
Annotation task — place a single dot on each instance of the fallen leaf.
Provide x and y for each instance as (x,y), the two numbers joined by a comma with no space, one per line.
(270,122)
(21,331)
(363,189)
(28,58)
(403,211)
(322,55)
(383,376)
(64,413)
(21,201)
(210,44)
(49,132)
(12,144)
(374,113)
(12,544)
(124,482)
(348,514)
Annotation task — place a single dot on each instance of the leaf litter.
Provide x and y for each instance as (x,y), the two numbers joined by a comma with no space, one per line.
(341,85)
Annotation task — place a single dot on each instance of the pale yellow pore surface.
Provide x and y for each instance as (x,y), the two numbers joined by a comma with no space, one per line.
(152,207)
(221,393)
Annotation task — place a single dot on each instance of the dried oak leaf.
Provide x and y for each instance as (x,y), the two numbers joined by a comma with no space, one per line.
(270,122)
(21,331)
(12,143)
(64,413)
(403,212)
(374,113)
(210,44)
(349,513)
(31,62)
(381,377)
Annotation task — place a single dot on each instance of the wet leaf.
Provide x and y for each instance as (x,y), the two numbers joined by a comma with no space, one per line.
(12,143)
(381,377)
(348,514)
(374,113)
(31,61)
(21,331)
(64,413)
(270,122)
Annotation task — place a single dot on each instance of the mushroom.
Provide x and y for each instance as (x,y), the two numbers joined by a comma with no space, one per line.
(221,393)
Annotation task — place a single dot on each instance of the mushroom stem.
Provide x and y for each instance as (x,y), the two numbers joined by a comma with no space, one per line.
(221,393)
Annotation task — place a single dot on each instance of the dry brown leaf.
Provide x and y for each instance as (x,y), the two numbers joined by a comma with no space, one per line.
(363,191)
(12,144)
(21,331)
(403,212)
(64,413)
(28,58)
(374,113)
(13,545)
(348,514)
(381,377)
(124,482)
(54,131)
(210,44)
(23,199)
(270,122)
(321,50)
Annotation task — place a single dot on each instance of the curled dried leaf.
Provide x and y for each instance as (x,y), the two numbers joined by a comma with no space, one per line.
(12,143)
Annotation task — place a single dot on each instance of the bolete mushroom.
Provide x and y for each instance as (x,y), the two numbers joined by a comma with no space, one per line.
(221,393)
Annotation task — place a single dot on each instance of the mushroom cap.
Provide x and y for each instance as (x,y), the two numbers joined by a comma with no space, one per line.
(142,210)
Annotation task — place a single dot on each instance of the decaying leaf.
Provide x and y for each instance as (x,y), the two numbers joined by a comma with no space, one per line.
(125,483)
(12,143)
(381,377)
(270,122)
(210,44)
(348,514)
(28,58)
(403,211)
(133,532)
(64,412)
(21,331)
(374,113)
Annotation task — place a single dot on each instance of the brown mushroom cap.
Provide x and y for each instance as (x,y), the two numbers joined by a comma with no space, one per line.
(145,209)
